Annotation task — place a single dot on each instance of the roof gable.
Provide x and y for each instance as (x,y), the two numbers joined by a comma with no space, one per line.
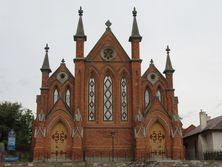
(107,40)
(153,69)
(61,68)
(59,105)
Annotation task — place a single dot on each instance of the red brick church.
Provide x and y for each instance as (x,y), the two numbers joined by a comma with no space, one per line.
(105,107)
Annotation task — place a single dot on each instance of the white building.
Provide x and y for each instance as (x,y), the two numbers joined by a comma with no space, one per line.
(205,138)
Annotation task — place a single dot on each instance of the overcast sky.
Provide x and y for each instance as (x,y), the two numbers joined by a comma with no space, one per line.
(192,29)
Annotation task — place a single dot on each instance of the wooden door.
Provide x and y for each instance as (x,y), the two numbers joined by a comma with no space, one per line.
(59,141)
(157,140)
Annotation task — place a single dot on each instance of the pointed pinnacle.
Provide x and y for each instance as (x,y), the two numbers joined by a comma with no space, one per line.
(168,68)
(45,65)
(80,29)
(151,61)
(80,11)
(135,35)
(63,61)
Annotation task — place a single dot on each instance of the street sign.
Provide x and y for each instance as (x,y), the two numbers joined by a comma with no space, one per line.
(11,140)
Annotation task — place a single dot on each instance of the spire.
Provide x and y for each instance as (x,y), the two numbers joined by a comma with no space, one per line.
(135,31)
(45,65)
(168,68)
(80,30)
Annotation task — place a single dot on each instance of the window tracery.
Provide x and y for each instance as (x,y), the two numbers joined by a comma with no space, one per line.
(92,99)
(123,91)
(107,99)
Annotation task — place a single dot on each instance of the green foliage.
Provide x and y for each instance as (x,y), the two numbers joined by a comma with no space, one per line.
(13,116)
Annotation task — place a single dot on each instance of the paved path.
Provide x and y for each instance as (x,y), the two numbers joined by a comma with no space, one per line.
(123,164)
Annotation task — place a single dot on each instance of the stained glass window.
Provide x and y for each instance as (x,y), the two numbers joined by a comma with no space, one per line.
(158,95)
(68,97)
(107,99)
(92,99)
(55,96)
(123,91)
(146,98)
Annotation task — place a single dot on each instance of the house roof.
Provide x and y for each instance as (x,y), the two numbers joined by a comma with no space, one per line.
(212,124)
(188,129)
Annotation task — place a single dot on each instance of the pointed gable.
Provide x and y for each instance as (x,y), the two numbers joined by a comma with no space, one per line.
(153,75)
(60,105)
(108,48)
(62,74)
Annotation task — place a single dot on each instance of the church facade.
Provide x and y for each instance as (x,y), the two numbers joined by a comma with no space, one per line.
(107,109)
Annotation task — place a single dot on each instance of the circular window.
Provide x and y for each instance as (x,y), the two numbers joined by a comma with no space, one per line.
(108,53)
(62,76)
(152,76)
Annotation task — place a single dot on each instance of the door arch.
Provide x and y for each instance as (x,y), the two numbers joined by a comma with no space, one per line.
(58,141)
(157,140)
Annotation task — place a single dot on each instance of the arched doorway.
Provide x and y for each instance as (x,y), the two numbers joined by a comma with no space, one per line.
(59,141)
(157,140)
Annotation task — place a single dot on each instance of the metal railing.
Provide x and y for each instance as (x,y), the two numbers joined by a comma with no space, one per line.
(213,155)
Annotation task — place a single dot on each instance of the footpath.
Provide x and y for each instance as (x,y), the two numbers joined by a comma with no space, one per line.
(168,163)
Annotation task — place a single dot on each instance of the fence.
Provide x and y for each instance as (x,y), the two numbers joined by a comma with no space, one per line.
(102,155)
(108,155)
(213,155)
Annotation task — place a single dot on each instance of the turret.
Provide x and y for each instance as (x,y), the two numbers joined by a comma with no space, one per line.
(135,38)
(45,68)
(80,36)
(169,69)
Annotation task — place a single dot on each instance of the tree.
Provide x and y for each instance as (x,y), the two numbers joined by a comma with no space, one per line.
(14,116)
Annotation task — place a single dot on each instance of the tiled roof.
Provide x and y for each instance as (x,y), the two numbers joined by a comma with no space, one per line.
(212,124)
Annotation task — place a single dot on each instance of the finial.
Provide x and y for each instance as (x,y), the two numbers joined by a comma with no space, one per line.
(80,11)
(108,24)
(46,48)
(151,61)
(134,12)
(63,61)
(168,50)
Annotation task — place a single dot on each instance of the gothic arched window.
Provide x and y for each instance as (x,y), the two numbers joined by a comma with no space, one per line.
(92,99)
(123,91)
(107,99)
(146,98)
(55,96)
(68,97)
(158,95)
